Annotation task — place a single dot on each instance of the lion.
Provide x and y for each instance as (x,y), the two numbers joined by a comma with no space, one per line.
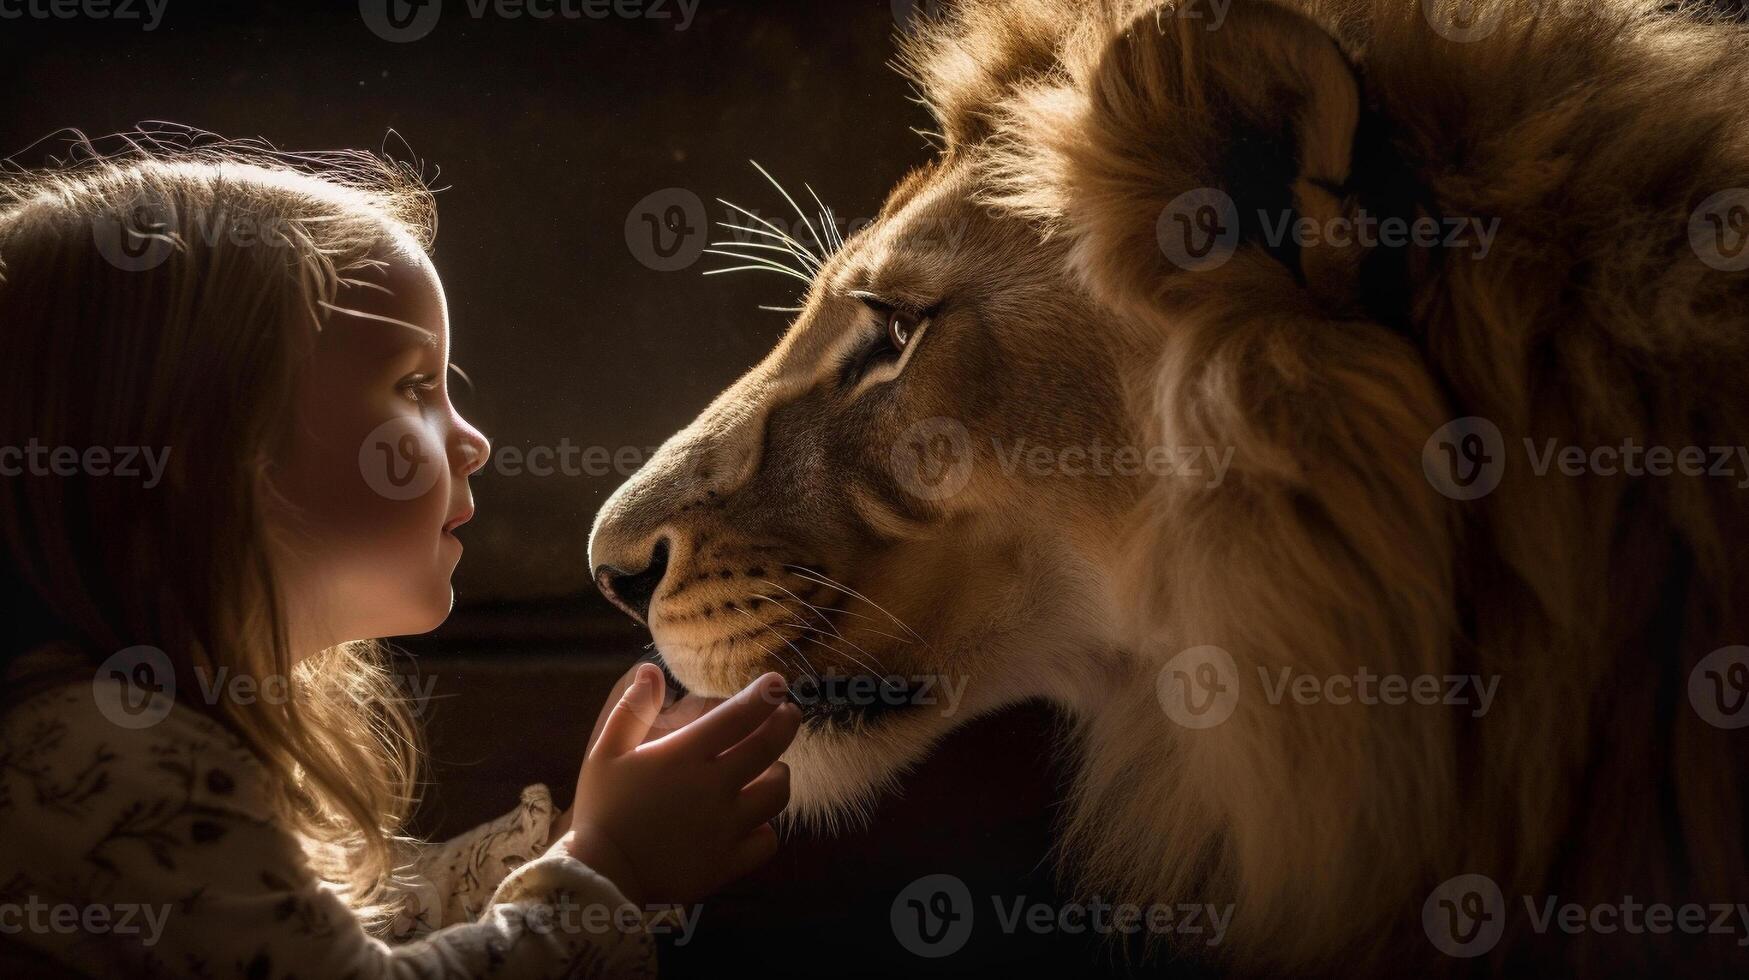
(1074,419)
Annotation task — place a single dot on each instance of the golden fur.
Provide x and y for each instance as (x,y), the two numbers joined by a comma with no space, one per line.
(1590,135)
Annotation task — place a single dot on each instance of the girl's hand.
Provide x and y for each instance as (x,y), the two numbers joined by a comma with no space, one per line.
(681,713)
(684,711)
(675,819)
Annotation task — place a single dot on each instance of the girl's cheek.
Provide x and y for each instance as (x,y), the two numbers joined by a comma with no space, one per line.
(403,459)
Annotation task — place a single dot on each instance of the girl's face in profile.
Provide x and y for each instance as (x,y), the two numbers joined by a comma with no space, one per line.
(373,477)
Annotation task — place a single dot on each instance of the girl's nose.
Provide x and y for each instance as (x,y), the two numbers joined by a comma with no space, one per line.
(472,448)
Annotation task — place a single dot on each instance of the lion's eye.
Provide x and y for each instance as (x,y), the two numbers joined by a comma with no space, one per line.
(900,328)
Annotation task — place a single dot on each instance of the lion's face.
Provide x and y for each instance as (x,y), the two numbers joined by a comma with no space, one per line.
(886,485)
(915,494)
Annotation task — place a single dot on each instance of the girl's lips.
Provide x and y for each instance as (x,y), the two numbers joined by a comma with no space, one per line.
(458,520)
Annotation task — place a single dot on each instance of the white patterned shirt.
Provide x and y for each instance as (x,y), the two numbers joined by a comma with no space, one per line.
(154,852)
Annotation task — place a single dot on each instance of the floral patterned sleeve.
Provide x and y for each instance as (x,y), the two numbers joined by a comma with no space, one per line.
(453,880)
(152,851)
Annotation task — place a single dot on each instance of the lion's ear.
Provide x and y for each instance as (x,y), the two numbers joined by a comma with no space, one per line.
(1194,137)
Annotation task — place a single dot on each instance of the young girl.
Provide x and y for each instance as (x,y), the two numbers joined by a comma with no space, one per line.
(226,454)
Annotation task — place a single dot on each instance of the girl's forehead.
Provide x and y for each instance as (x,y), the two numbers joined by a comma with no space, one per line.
(401,293)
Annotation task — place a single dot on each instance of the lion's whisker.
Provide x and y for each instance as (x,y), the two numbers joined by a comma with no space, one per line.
(874,668)
(805,572)
(864,616)
(761,264)
(805,268)
(792,203)
(774,248)
(809,667)
(872,671)
(790,244)
(826,220)
(831,630)
(815,609)
(768,651)
(785,236)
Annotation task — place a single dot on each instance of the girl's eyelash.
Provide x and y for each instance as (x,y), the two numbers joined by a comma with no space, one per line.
(418,384)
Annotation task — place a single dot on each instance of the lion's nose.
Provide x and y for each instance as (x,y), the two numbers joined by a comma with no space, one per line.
(632,591)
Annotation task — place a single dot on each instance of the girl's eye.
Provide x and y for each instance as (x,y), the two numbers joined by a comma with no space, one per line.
(901,326)
(417,386)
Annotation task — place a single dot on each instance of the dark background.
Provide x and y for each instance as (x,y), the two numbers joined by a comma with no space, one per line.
(547,135)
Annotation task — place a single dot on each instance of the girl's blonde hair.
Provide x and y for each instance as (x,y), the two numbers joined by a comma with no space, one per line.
(163,298)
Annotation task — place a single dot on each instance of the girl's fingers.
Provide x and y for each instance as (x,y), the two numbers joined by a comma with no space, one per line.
(755,753)
(729,722)
(684,712)
(751,851)
(765,797)
(619,689)
(632,717)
